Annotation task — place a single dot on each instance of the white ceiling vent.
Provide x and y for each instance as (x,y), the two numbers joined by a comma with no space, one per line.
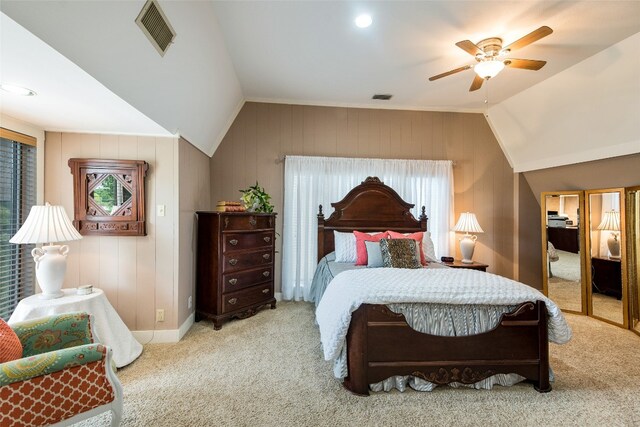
(155,26)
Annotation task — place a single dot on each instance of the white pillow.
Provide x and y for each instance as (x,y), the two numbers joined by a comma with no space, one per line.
(428,248)
(345,246)
(374,254)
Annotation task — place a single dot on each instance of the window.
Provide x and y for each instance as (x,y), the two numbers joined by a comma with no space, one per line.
(310,181)
(17,195)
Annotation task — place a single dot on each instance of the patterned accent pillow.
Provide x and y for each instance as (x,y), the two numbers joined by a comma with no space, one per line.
(10,345)
(400,253)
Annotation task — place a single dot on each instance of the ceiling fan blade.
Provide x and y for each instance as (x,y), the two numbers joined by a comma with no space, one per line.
(476,84)
(448,73)
(470,47)
(530,38)
(526,64)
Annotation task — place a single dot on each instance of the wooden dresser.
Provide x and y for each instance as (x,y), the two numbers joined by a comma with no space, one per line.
(234,265)
(606,276)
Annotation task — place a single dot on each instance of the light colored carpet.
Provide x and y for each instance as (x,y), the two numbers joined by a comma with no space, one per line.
(269,371)
(567,267)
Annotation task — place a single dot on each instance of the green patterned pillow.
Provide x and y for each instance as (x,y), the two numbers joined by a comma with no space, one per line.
(399,253)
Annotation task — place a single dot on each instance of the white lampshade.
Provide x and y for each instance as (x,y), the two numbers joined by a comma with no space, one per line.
(468,223)
(46,224)
(489,68)
(611,221)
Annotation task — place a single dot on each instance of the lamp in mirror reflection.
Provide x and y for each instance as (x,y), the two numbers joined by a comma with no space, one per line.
(48,224)
(611,222)
(468,223)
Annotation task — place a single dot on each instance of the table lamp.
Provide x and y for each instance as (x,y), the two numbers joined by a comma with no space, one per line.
(611,222)
(468,224)
(47,224)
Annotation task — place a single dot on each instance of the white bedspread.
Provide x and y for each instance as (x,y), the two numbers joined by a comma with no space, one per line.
(349,289)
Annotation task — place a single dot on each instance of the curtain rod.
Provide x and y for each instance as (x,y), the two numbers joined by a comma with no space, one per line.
(283,158)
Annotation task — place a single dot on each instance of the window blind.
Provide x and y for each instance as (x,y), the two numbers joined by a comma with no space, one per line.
(17,195)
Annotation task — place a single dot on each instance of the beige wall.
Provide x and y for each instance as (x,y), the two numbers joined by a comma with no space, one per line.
(263,133)
(529,236)
(615,172)
(136,273)
(194,194)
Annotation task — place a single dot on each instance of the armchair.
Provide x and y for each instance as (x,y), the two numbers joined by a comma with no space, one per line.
(63,376)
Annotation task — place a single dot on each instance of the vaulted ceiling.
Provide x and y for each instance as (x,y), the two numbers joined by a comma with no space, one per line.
(310,52)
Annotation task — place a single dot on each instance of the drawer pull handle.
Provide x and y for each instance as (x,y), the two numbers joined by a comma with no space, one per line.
(232,301)
(233,261)
(266,274)
(233,242)
(267,239)
(265,291)
(253,221)
(266,256)
(233,281)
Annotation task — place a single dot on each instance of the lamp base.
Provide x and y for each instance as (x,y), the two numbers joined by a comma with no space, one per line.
(467,245)
(614,246)
(51,265)
(52,295)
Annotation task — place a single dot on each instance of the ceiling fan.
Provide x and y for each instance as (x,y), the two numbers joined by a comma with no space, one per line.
(489,54)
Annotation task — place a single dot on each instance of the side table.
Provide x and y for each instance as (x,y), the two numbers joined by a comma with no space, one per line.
(472,266)
(110,330)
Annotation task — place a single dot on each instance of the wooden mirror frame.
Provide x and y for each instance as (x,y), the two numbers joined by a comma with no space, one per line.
(623,255)
(131,220)
(581,243)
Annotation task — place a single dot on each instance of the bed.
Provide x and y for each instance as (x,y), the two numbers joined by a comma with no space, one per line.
(380,345)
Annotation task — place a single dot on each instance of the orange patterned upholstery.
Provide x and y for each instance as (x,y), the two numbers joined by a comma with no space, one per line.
(62,377)
(11,348)
(48,399)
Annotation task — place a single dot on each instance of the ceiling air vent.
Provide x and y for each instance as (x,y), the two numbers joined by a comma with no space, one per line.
(155,26)
(384,97)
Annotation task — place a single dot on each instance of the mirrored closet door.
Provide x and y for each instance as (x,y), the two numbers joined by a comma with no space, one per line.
(562,246)
(606,255)
(633,251)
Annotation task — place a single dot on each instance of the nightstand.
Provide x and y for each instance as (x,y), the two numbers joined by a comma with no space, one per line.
(473,266)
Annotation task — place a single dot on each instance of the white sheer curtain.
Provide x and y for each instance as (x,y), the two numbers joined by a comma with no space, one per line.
(311,181)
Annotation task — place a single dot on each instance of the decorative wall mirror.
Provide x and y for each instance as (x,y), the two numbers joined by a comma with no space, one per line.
(109,196)
(562,247)
(633,255)
(606,255)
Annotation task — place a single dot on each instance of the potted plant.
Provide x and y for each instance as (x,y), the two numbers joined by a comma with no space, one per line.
(256,200)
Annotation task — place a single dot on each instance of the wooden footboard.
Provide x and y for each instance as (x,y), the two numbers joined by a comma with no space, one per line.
(381,344)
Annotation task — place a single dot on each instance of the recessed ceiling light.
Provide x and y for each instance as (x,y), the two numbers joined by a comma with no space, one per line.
(363,21)
(17,90)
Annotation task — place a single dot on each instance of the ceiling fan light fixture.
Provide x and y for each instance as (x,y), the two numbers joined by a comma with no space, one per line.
(488,69)
(363,21)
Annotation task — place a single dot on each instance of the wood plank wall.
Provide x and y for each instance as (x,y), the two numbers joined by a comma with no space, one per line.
(136,273)
(194,194)
(484,182)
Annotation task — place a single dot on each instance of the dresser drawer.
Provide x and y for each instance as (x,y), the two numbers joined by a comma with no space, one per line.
(237,241)
(236,300)
(241,261)
(232,282)
(247,222)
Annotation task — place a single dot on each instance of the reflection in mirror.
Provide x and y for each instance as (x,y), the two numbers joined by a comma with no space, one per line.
(606,267)
(564,273)
(109,196)
(633,251)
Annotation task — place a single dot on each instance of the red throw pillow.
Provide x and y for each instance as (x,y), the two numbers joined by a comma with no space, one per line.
(10,345)
(361,248)
(415,236)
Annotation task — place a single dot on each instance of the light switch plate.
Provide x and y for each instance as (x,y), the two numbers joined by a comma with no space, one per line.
(160,210)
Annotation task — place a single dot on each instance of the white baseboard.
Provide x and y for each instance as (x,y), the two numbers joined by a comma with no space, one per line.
(278,296)
(164,335)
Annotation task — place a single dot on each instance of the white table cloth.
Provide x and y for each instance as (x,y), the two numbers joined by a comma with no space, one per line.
(109,329)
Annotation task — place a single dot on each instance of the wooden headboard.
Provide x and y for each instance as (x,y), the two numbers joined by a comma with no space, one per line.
(370,206)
